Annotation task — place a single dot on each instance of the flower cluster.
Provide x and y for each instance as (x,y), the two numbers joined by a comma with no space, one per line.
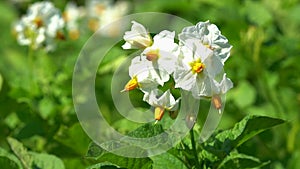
(41,25)
(195,64)
(72,15)
(103,12)
(44,24)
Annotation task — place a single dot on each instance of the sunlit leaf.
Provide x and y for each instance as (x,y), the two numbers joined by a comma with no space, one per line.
(166,159)
(243,94)
(21,152)
(73,137)
(236,160)
(247,128)
(102,157)
(46,161)
(257,13)
(8,160)
(147,130)
(5,162)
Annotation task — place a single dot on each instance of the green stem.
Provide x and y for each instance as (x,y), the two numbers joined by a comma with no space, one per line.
(194,148)
(30,63)
(31,75)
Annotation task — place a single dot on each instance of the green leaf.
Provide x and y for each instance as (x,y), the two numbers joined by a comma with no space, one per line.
(46,108)
(103,166)
(32,159)
(167,159)
(102,158)
(247,128)
(12,120)
(147,130)
(5,162)
(257,13)
(73,137)
(46,161)
(243,95)
(21,152)
(236,160)
(9,160)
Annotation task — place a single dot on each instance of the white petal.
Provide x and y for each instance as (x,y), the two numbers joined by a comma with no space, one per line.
(138,37)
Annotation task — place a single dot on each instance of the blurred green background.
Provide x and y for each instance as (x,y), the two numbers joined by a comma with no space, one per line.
(264,67)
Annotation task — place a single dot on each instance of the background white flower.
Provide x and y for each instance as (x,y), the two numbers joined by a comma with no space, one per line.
(71,15)
(103,12)
(40,26)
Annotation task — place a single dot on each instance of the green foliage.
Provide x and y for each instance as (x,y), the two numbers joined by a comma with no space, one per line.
(247,128)
(8,160)
(73,137)
(46,161)
(103,158)
(167,159)
(30,159)
(218,152)
(235,160)
(39,127)
(21,152)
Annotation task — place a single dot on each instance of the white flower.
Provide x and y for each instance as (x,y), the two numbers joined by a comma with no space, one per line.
(161,102)
(210,36)
(72,14)
(41,24)
(144,76)
(27,37)
(111,14)
(103,12)
(195,69)
(221,87)
(55,26)
(95,8)
(163,52)
(137,37)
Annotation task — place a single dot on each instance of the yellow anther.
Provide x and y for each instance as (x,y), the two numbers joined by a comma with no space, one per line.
(132,84)
(38,22)
(197,66)
(158,113)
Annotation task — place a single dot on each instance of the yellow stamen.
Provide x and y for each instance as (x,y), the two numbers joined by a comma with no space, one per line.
(38,22)
(74,34)
(158,113)
(99,9)
(152,55)
(197,66)
(131,84)
(93,24)
(209,46)
(60,35)
(65,16)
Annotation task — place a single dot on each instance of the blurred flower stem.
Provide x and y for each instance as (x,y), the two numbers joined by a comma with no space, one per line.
(256,36)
